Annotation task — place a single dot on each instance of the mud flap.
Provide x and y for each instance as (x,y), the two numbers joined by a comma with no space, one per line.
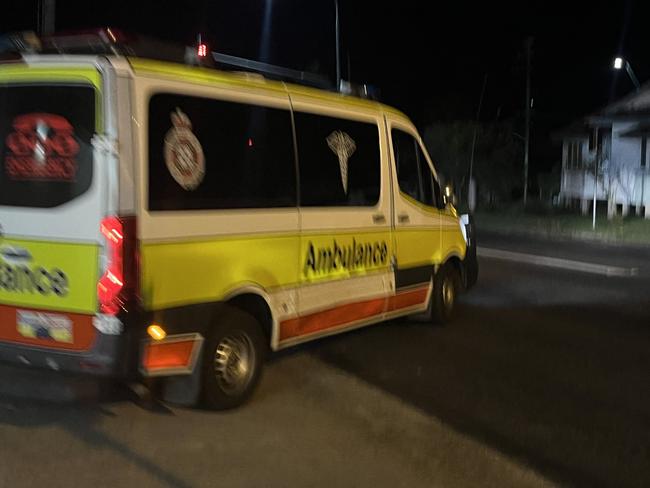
(184,390)
(174,364)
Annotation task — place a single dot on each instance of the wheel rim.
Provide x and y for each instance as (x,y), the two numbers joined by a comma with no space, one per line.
(448,294)
(234,363)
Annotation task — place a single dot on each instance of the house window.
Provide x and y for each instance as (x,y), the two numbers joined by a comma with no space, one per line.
(574,155)
(604,142)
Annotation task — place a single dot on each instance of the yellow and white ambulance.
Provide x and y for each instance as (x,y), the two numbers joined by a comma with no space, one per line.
(179,222)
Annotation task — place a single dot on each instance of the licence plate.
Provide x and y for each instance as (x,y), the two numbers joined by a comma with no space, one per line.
(47,326)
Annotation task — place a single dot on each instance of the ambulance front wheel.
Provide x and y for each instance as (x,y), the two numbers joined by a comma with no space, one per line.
(446,284)
(232,360)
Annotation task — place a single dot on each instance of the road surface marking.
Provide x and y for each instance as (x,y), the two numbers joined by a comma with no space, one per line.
(601,269)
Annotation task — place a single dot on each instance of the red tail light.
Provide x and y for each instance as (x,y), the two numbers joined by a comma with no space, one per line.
(118,284)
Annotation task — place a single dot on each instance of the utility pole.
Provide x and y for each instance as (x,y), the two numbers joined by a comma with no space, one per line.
(471,187)
(46,16)
(529,44)
(596,168)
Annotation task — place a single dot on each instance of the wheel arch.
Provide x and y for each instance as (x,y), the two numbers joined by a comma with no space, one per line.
(454,259)
(255,301)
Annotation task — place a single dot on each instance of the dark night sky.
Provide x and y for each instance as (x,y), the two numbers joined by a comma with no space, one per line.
(428,58)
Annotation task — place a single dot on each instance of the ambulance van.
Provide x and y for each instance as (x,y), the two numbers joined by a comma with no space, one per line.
(160,220)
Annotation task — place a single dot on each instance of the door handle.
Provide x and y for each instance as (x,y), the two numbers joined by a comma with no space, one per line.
(403,218)
(15,253)
(379,219)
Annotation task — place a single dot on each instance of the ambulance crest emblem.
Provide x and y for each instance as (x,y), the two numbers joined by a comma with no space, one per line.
(183,152)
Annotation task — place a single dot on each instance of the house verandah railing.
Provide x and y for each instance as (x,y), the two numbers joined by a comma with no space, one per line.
(622,187)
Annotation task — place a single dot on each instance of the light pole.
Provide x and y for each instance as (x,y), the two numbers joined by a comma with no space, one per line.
(619,63)
(266,35)
(338,47)
(596,165)
(529,44)
(46,15)
(265,41)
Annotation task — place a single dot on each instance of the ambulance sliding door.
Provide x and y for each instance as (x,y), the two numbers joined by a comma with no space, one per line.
(344,203)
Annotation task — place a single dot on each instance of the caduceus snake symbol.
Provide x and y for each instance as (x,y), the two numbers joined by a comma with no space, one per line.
(343,146)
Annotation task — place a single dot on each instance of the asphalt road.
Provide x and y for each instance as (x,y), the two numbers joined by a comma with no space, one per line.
(542,379)
(551,367)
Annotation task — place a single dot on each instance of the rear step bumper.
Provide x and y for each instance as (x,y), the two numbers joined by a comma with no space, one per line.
(110,356)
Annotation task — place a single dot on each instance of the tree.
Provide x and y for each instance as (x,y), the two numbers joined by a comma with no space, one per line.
(496,157)
(449,146)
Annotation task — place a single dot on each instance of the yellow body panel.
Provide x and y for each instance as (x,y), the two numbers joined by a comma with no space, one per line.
(55,276)
(21,72)
(452,242)
(418,246)
(339,255)
(211,76)
(186,272)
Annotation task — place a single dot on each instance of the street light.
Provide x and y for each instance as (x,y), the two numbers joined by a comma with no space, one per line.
(619,63)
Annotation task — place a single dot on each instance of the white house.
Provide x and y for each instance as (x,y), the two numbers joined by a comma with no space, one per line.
(610,147)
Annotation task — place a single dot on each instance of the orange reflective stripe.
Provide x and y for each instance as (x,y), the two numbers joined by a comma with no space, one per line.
(408,298)
(350,312)
(331,318)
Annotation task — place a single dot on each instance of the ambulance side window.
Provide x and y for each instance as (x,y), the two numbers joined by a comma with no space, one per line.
(339,161)
(413,172)
(248,155)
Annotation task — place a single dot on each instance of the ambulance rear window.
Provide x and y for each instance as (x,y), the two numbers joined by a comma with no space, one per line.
(45,143)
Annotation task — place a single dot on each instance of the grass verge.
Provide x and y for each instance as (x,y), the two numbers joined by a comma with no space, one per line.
(629,230)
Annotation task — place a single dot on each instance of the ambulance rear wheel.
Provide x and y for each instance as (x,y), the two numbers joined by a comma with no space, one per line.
(232,360)
(446,284)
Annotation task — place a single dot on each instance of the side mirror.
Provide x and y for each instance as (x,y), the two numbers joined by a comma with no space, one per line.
(448,196)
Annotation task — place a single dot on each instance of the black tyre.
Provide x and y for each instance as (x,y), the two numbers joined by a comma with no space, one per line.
(232,360)
(471,260)
(446,285)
